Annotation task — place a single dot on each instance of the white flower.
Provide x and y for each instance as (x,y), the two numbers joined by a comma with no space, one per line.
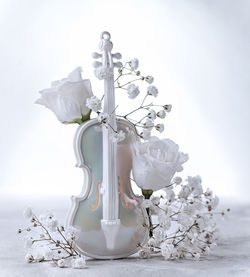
(153,242)
(146,203)
(177,180)
(61,263)
(94,103)
(155,200)
(47,253)
(196,256)
(168,108)
(149,79)
(79,263)
(159,233)
(28,213)
(67,97)
(145,134)
(38,256)
(144,253)
(164,221)
(184,192)
(161,114)
(170,195)
(149,124)
(133,91)
(195,185)
(184,219)
(28,243)
(159,127)
(155,162)
(214,202)
(134,63)
(103,118)
(119,136)
(103,73)
(152,114)
(72,233)
(28,258)
(166,249)
(49,221)
(152,90)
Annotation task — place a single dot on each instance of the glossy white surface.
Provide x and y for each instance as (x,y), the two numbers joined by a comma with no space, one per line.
(231,258)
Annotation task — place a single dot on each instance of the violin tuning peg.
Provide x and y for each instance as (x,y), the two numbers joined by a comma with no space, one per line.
(118,64)
(97,64)
(117,56)
(96,55)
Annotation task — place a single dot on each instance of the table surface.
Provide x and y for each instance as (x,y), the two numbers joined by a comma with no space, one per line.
(230,258)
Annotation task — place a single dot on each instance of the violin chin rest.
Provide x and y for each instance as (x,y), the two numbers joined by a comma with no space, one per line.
(110,229)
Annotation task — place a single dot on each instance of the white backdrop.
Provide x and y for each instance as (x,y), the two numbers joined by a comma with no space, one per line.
(198,52)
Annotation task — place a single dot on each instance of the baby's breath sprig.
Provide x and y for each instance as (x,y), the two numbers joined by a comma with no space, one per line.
(48,241)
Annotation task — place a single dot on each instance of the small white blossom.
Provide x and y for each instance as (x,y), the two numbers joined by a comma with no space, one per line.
(177,180)
(196,256)
(149,124)
(72,233)
(149,79)
(152,114)
(166,249)
(38,256)
(133,91)
(170,195)
(28,243)
(159,127)
(152,90)
(168,108)
(119,136)
(49,221)
(144,253)
(94,103)
(184,192)
(184,219)
(159,233)
(161,114)
(61,263)
(214,202)
(146,203)
(28,213)
(28,258)
(155,200)
(134,63)
(153,242)
(79,263)
(164,221)
(146,134)
(103,72)
(195,185)
(103,118)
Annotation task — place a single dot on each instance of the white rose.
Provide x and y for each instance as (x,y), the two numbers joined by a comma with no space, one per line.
(155,162)
(67,97)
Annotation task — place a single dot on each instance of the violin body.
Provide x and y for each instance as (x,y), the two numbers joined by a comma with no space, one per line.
(87,209)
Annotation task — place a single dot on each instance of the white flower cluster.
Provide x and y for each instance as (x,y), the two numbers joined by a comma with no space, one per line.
(184,225)
(48,241)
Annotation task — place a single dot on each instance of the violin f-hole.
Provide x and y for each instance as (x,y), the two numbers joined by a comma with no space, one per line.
(97,197)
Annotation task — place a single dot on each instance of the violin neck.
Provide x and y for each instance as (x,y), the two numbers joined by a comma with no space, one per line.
(110,178)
